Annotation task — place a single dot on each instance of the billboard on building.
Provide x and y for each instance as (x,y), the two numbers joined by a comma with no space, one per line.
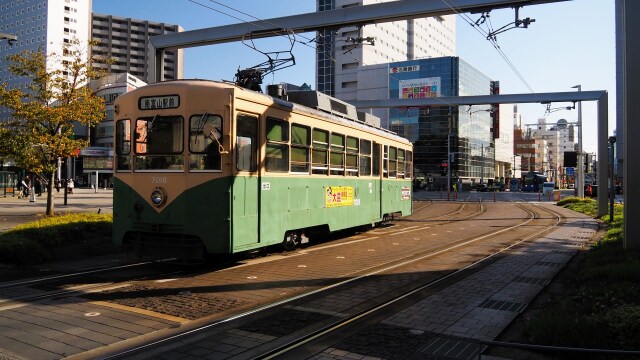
(419,88)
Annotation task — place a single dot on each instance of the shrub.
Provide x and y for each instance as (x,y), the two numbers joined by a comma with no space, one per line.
(57,238)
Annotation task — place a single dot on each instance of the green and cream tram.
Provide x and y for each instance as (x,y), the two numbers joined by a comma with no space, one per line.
(206,167)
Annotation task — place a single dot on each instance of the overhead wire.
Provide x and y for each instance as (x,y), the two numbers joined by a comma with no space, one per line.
(302,36)
(309,40)
(492,41)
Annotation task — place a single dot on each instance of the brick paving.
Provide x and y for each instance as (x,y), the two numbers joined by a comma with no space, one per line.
(444,324)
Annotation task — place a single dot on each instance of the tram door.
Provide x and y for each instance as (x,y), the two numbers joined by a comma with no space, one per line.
(245,221)
(377,185)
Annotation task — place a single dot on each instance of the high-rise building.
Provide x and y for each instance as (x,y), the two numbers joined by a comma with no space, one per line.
(341,54)
(125,41)
(40,25)
(465,132)
(48,24)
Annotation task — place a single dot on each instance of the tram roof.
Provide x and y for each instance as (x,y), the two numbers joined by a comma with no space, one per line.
(292,106)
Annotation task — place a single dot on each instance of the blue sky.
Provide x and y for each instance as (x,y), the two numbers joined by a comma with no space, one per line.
(569,43)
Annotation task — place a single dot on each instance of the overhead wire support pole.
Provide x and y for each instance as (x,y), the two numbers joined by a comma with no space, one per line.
(600,96)
(580,178)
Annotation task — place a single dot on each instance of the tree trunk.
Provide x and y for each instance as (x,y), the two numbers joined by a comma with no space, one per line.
(50,189)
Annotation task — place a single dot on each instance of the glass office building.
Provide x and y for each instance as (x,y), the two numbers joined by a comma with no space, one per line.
(469,128)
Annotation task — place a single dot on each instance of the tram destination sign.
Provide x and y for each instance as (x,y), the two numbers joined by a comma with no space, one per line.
(159,102)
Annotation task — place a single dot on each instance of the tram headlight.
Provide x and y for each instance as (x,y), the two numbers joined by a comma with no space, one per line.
(158,197)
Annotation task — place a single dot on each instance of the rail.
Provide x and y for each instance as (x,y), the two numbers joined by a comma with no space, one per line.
(549,348)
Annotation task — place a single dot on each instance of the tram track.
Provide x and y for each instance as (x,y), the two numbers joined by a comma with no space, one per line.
(282,345)
(21,292)
(18,293)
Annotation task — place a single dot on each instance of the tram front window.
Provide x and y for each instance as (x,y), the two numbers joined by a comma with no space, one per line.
(159,143)
(205,142)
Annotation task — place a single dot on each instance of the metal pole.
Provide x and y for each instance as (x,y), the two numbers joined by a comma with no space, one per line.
(482,164)
(580,177)
(612,184)
(448,165)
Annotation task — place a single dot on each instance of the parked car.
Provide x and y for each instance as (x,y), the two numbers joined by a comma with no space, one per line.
(482,188)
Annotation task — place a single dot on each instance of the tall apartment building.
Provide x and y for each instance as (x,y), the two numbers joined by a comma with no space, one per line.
(341,54)
(48,24)
(40,24)
(125,41)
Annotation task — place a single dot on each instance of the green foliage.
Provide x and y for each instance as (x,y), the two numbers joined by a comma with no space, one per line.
(57,238)
(44,114)
(584,205)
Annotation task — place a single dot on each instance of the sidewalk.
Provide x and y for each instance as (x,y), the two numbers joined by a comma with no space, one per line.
(14,211)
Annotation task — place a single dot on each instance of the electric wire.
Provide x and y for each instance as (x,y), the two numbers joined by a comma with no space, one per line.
(304,37)
(309,40)
(493,42)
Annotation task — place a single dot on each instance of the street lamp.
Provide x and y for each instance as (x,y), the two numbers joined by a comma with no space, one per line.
(580,179)
(10,38)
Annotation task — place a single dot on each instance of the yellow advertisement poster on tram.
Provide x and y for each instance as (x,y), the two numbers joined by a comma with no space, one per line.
(338,196)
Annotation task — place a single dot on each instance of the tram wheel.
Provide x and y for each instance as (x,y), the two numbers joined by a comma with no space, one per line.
(291,240)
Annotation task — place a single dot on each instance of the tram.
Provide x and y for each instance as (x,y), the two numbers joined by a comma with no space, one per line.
(533,181)
(204,168)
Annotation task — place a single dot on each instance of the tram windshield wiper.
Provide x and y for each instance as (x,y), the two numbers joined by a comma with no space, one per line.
(211,132)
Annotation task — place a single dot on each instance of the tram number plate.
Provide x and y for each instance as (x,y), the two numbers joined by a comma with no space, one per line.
(159,180)
(266,186)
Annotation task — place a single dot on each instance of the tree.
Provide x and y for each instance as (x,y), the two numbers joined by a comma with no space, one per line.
(43,115)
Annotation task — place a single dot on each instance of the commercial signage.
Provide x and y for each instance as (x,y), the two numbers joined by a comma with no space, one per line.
(338,196)
(419,88)
(96,152)
(399,69)
(97,163)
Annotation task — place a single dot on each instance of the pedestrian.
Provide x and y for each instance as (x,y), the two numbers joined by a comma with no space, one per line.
(70,186)
(57,185)
(24,185)
(38,186)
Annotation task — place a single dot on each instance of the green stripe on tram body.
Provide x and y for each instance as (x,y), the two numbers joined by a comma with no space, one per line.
(242,213)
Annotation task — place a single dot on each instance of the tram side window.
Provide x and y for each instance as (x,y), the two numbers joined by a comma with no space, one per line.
(352,156)
(300,146)
(246,144)
(320,152)
(393,162)
(385,161)
(376,159)
(401,164)
(365,157)
(205,142)
(337,154)
(123,145)
(277,149)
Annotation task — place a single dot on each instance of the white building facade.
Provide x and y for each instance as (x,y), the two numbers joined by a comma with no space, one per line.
(41,24)
(559,137)
(342,55)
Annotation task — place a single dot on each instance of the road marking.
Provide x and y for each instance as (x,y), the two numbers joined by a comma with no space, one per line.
(141,311)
